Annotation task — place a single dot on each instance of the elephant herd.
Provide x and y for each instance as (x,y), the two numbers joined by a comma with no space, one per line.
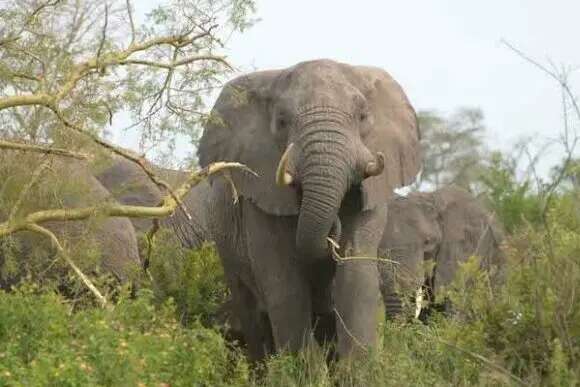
(314,240)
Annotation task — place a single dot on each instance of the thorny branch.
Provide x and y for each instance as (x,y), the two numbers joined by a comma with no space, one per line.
(49,150)
(54,240)
(166,208)
(569,144)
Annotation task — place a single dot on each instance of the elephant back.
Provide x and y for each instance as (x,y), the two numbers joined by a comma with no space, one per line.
(469,229)
(129,184)
(106,244)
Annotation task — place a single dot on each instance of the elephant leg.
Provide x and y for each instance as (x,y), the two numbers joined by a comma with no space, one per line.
(320,278)
(356,284)
(280,279)
(254,322)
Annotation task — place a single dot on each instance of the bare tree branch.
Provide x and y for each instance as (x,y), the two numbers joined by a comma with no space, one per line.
(182,62)
(42,7)
(104,34)
(41,149)
(569,144)
(560,78)
(123,153)
(131,22)
(167,207)
(62,253)
(31,183)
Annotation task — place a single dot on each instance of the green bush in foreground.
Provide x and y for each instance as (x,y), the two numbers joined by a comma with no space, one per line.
(134,344)
(525,331)
(194,279)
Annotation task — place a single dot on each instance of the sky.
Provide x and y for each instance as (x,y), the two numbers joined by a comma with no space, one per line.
(445,53)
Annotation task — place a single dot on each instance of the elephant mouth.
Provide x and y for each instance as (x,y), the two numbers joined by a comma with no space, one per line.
(336,230)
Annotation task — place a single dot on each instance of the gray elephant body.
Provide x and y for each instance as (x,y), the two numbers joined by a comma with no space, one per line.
(74,186)
(130,185)
(320,122)
(428,235)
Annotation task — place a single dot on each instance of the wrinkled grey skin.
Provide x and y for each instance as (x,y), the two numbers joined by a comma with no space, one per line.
(273,240)
(428,235)
(114,238)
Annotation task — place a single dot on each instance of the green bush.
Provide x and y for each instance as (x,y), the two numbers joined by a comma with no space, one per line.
(514,203)
(134,344)
(194,279)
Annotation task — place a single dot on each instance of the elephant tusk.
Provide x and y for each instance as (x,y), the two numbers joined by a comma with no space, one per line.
(418,302)
(282,175)
(375,168)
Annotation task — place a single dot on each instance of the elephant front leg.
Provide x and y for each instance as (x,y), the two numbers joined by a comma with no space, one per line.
(281,282)
(356,284)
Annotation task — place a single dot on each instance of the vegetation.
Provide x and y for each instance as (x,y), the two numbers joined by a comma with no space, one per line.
(453,148)
(67,69)
(135,344)
(525,332)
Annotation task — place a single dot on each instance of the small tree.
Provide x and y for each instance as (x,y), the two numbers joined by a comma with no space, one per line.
(68,67)
(452,147)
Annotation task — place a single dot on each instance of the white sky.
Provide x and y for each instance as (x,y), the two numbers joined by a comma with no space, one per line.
(445,53)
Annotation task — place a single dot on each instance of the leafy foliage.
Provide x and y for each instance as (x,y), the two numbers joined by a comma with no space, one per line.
(514,203)
(82,63)
(452,147)
(134,344)
(194,279)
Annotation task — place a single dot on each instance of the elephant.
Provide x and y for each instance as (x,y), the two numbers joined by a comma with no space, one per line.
(428,235)
(130,185)
(328,143)
(65,183)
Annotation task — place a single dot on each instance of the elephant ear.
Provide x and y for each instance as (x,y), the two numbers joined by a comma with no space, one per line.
(392,129)
(238,129)
(466,231)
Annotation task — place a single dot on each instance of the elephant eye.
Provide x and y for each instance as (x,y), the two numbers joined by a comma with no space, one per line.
(362,116)
(282,120)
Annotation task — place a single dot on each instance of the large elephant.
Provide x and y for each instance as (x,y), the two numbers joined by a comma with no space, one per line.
(329,142)
(65,183)
(427,236)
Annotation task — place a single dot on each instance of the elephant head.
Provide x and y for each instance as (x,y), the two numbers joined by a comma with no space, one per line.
(427,236)
(411,240)
(313,132)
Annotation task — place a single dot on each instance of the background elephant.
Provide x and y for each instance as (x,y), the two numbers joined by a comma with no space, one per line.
(428,235)
(329,143)
(129,184)
(64,183)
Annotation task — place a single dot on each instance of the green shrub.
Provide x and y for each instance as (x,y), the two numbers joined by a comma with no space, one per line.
(194,279)
(514,203)
(134,344)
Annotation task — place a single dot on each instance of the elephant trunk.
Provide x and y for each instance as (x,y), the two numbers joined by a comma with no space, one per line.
(324,181)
